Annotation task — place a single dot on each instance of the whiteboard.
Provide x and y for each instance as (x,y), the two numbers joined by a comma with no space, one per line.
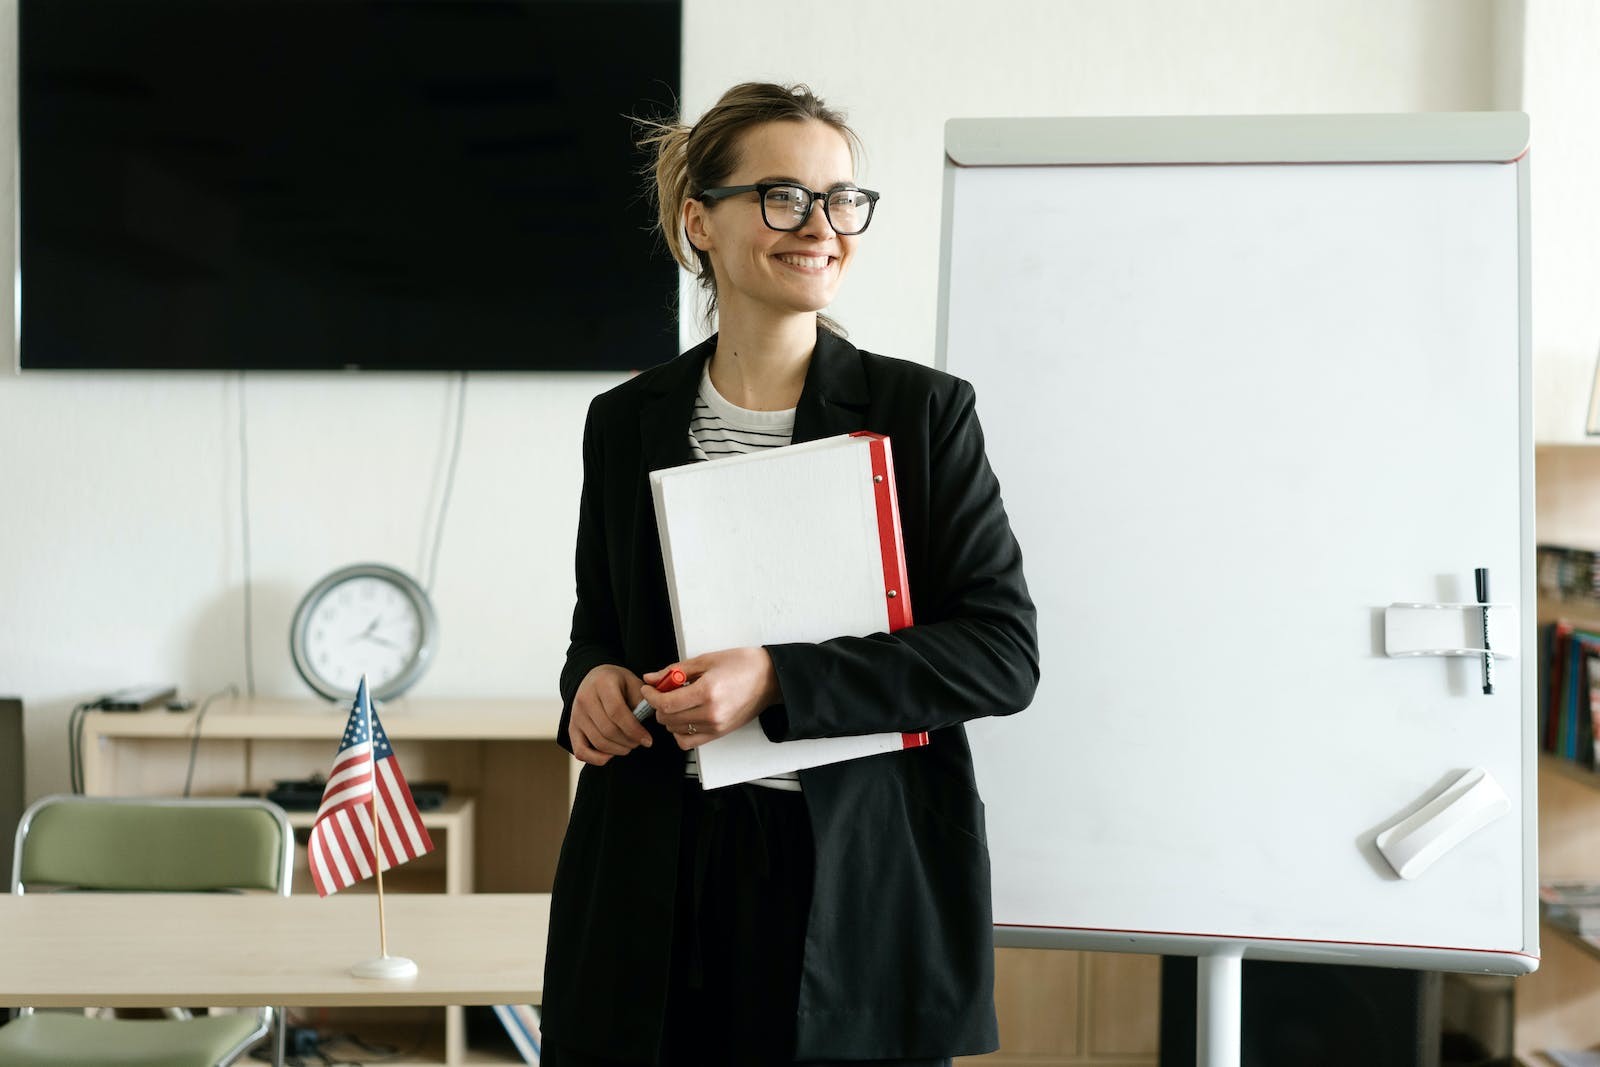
(1245,382)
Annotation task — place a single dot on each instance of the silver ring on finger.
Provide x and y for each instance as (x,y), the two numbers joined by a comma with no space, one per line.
(691,729)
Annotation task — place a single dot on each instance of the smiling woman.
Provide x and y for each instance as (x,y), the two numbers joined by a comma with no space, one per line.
(836,914)
(691,163)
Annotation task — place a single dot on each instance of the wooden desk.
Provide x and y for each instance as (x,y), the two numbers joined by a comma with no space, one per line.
(155,950)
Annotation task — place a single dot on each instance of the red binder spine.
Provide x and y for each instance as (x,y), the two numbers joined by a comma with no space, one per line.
(896,590)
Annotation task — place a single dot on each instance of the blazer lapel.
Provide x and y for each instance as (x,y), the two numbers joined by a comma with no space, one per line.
(664,419)
(833,400)
(835,397)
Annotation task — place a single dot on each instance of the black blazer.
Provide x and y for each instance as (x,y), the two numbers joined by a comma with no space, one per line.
(899,948)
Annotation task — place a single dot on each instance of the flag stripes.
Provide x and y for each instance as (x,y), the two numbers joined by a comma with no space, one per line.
(344,848)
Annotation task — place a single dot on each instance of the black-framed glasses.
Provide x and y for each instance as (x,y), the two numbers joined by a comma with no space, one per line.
(786,206)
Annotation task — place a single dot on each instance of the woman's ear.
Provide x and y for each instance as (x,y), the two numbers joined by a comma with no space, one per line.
(696,224)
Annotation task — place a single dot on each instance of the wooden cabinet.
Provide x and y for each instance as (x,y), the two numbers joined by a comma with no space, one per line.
(499,831)
(501,754)
(1075,1009)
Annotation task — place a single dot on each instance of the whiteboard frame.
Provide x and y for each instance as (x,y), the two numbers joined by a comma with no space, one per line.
(1445,137)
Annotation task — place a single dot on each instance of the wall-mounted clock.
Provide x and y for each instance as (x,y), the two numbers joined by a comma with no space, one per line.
(369,619)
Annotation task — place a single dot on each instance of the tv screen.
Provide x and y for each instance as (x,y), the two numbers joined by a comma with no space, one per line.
(329,184)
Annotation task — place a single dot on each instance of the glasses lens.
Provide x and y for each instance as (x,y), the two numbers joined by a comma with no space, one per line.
(849,210)
(785,207)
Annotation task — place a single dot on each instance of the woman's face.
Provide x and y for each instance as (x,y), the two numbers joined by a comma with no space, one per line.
(762,269)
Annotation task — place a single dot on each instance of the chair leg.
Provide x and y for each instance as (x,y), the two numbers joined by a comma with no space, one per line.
(281,1040)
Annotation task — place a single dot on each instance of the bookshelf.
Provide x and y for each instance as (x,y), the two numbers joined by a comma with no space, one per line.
(1558,1006)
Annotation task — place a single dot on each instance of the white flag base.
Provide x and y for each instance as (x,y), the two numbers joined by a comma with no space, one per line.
(385,967)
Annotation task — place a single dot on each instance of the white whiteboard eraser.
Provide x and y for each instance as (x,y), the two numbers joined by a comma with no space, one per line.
(1471,802)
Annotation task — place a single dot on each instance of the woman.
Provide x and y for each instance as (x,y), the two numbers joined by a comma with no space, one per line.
(840,914)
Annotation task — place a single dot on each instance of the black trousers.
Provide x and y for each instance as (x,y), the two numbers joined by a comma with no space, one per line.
(745,865)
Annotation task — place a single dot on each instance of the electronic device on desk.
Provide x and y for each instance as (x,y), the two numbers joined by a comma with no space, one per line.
(305,794)
(137,698)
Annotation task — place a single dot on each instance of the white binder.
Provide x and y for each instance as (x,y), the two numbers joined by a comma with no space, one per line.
(792,544)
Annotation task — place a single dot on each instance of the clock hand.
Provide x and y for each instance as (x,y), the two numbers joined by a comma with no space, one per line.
(373,625)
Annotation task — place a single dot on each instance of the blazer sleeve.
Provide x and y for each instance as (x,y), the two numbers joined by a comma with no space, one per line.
(977,654)
(596,630)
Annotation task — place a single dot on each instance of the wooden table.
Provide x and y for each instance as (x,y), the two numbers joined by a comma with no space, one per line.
(155,950)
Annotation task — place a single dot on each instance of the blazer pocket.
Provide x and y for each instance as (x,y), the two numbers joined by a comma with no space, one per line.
(958,809)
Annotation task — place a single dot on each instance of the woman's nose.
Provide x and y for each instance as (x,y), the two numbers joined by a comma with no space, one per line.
(817,224)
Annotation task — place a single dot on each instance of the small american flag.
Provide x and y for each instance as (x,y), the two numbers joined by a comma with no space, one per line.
(342,843)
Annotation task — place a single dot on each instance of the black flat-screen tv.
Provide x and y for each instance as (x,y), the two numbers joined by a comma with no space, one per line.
(408,185)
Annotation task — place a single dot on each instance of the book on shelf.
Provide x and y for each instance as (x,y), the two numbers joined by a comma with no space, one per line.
(522,1024)
(1568,573)
(1569,691)
(1573,906)
(796,544)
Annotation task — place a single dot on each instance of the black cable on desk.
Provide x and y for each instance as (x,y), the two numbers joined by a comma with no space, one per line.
(75,743)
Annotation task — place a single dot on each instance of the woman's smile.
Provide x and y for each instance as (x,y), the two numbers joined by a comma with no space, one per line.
(806,263)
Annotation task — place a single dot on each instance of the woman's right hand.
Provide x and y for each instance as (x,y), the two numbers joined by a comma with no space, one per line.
(602,723)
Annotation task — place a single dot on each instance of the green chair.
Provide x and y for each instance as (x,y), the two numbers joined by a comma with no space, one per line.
(145,845)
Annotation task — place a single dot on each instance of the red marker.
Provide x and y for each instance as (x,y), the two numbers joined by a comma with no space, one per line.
(674,678)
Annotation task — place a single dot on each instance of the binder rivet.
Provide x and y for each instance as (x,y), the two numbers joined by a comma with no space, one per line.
(877,477)
(893,594)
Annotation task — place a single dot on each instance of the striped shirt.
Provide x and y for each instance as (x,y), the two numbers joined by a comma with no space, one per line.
(719,428)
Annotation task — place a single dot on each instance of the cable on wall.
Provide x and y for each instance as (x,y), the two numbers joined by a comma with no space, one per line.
(432,570)
(75,743)
(244,527)
(194,736)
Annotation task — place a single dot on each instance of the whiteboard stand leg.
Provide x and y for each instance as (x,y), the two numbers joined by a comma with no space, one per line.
(1218,1008)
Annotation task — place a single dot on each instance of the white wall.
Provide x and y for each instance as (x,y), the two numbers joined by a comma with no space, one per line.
(120,555)
(1561,93)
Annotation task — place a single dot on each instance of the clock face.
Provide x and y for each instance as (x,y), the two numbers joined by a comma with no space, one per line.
(369,620)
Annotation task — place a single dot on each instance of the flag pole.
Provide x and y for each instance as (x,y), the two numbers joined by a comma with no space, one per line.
(385,966)
(378,834)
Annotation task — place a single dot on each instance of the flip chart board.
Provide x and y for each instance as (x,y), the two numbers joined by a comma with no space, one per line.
(1247,382)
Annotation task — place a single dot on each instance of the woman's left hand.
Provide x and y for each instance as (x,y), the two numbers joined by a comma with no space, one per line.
(725,690)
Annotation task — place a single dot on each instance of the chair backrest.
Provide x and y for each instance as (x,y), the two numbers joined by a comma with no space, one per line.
(135,844)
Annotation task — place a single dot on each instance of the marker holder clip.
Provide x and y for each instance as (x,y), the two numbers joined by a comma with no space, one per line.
(1450,630)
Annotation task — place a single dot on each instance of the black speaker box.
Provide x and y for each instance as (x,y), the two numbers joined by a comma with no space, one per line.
(10,790)
(1313,1015)
(10,777)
